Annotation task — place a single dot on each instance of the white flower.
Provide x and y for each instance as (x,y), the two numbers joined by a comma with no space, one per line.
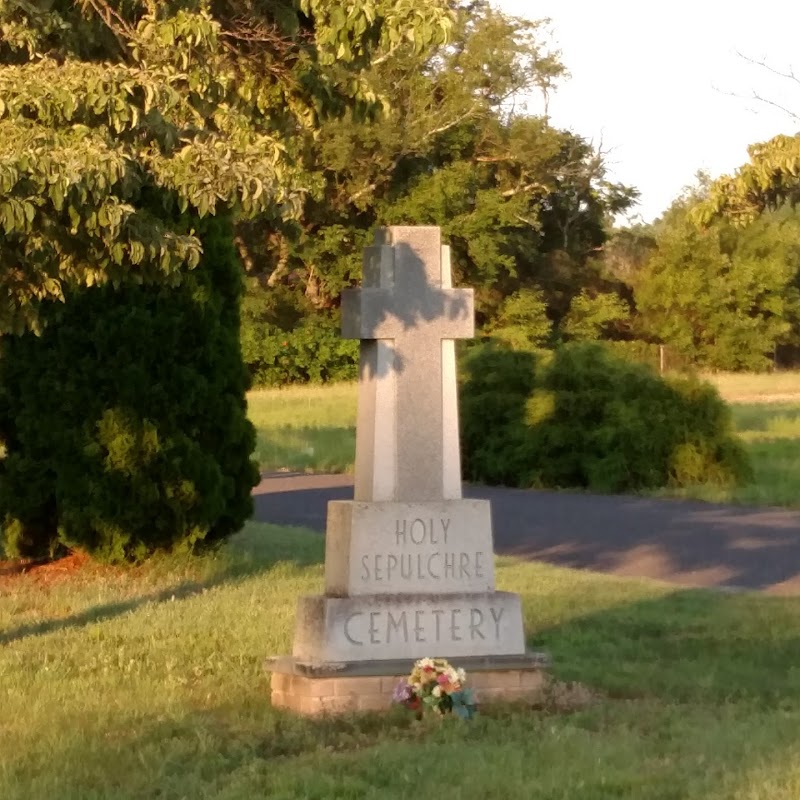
(424,662)
(462,676)
(437,691)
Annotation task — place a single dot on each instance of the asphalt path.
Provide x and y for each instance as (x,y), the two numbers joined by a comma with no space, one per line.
(684,542)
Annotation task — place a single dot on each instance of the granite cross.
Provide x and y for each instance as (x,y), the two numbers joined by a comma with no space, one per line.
(407,316)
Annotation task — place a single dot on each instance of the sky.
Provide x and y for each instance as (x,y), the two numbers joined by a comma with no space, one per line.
(662,87)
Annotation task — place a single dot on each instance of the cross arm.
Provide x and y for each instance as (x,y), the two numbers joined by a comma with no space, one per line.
(378,313)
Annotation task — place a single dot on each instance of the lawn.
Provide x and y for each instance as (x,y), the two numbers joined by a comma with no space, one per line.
(148,683)
(749,387)
(313,429)
(305,428)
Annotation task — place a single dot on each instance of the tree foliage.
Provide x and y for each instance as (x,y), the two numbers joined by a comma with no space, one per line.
(722,296)
(115,113)
(592,315)
(522,204)
(581,417)
(130,132)
(522,321)
(771,178)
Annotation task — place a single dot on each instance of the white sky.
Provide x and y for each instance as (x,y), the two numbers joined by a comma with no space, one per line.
(652,79)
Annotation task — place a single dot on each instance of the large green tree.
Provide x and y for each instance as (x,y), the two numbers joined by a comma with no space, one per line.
(523,205)
(124,422)
(770,179)
(115,112)
(722,296)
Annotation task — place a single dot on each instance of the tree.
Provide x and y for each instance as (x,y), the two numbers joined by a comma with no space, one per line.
(522,321)
(130,132)
(125,422)
(722,296)
(112,114)
(626,251)
(522,204)
(582,417)
(771,178)
(592,315)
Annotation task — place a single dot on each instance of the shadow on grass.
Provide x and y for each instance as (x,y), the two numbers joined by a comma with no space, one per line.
(702,701)
(779,419)
(688,646)
(251,552)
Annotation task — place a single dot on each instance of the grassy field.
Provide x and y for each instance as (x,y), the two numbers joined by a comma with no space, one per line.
(313,429)
(148,683)
(767,387)
(305,428)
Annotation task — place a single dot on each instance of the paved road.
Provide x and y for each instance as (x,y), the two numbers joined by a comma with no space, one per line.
(689,543)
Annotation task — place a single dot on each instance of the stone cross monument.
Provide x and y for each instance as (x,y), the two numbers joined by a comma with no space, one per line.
(409,567)
(407,318)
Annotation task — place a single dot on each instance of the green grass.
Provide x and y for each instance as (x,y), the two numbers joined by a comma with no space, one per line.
(767,421)
(148,683)
(305,428)
(747,387)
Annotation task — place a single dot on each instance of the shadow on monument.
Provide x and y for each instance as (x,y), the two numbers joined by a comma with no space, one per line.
(391,309)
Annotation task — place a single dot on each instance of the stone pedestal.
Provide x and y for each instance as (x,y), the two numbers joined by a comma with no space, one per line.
(389,548)
(409,564)
(314,689)
(374,627)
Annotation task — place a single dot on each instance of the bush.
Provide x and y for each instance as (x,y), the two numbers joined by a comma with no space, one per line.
(125,423)
(591,316)
(280,349)
(522,321)
(581,417)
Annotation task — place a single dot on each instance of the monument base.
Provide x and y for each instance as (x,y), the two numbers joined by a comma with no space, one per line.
(378,627)
(311,689)
(408,548)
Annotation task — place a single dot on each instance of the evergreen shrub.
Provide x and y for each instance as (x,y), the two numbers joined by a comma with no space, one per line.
(581,417)
(125,423)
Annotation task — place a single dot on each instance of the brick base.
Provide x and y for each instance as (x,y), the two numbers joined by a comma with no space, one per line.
(311,695)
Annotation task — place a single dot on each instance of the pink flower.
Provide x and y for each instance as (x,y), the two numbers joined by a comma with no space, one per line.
(402,692)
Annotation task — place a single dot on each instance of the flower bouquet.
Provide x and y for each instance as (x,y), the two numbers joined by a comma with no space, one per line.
(434,685)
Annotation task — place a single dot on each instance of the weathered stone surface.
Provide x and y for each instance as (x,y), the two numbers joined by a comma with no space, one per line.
(407,315)
(330,629)
(408,548)
(287,666)
(314,696)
